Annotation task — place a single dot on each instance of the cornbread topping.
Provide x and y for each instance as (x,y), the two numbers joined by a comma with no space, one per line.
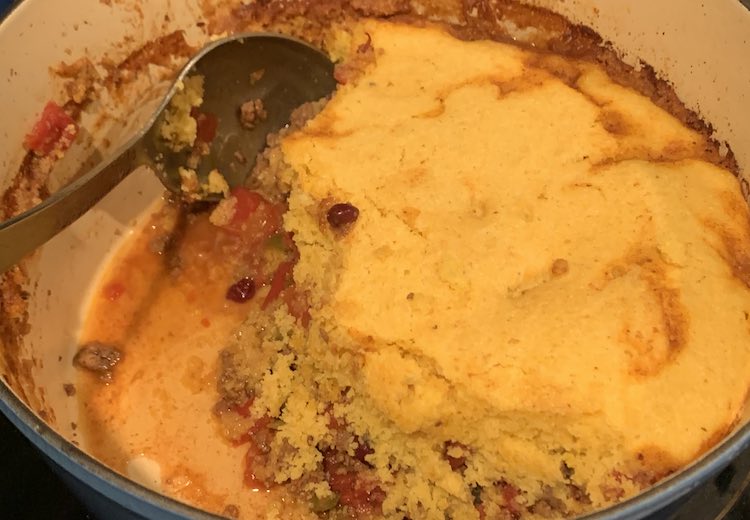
(522,319)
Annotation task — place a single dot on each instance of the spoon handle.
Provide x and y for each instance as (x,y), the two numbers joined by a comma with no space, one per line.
(23,233)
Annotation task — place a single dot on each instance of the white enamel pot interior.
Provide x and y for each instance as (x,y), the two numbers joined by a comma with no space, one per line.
(702,47)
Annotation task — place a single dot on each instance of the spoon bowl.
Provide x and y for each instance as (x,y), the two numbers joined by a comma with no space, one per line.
(282,72)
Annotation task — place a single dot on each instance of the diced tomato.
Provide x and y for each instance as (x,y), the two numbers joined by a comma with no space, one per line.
(296,302)
(247,202)
(244,408)
(260,424)
(113,291)
(242,439)
(361,494)
(510,495)
(278,283)
(54,127)
(509,492)
(288,241)
(207,124)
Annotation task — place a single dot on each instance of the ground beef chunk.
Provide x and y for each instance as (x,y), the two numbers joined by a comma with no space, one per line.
(252,112)
(98,358)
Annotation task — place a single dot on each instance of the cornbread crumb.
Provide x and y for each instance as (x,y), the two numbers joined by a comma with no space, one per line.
(179,128)
(223,212)
(188,181)
(217,183)
(193,189)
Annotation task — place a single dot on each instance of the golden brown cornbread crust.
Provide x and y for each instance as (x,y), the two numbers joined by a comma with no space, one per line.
(508,21)
(552,399)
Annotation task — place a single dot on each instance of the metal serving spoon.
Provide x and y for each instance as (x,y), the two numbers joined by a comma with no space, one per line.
(292,73)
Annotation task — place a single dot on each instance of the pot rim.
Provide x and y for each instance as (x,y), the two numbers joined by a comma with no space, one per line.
(112,484)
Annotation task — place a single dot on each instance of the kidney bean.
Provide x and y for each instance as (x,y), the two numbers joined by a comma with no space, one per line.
(342,214)
(241,291)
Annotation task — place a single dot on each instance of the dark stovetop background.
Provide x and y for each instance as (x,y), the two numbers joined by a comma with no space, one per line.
(30,490)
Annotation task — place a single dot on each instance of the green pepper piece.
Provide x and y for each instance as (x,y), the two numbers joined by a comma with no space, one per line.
(324,503)
(276,242)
